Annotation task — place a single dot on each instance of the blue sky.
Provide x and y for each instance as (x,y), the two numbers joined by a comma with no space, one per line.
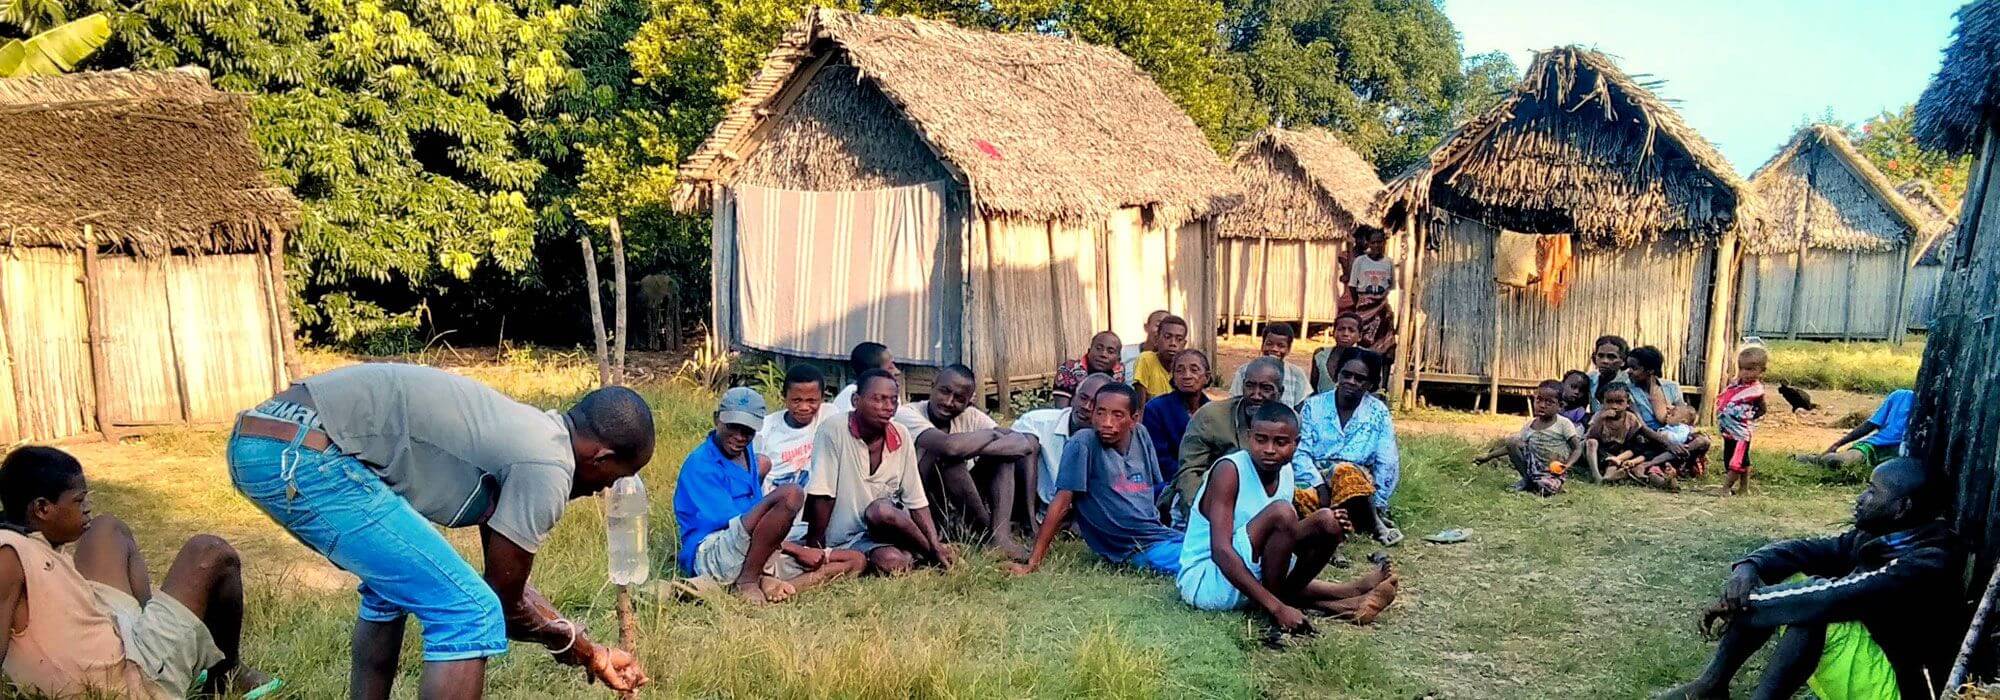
(1742,73)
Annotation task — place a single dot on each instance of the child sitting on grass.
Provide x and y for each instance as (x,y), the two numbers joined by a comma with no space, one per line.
(1676,450)
(1610,444)
(1576,397)
(1737,409)
(1545,448)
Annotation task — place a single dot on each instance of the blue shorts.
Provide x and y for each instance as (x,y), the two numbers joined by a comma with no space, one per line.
(340,508)
(1163,557)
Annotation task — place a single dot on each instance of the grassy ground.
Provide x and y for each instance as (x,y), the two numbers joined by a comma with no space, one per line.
(1592,594)
(1871,368)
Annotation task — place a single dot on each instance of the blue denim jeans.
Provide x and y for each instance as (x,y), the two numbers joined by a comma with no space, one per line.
(339,507)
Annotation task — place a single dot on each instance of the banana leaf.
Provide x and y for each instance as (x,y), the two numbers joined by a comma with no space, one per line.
(57,50)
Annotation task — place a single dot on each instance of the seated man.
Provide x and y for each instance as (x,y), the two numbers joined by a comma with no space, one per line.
(865,493)
(960,449)
(864,357)
(1052,427)
(1246,544)
(88,624)
(732,531)
(1102,358)
(1876,441)
(1869,614)
(1110,475)
(1219,428)
(1278,338)
(1152,373)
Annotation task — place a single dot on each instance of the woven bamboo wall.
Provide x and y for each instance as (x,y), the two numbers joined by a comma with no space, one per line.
(1313,266)
(46,338)
(1843,294)
(1054,285)
(1652,294)
(202,328)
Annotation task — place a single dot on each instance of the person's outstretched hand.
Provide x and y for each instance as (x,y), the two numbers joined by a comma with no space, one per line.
(616,669)
(1289,619)
(1346,523)
(1019,569)
(946,558)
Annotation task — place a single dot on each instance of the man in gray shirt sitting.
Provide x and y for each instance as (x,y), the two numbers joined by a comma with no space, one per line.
(358,463)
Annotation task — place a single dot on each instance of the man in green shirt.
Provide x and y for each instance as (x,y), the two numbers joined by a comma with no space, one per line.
(1221,427)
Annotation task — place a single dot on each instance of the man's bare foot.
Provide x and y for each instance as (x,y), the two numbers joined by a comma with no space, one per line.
(1383,571)
(1377,600)
(777,590)
(1011,549)
(1697,690)
(752,593)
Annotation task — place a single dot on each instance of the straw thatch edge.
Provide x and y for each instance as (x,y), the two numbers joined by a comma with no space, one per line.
(1346,182)
(1953,106)
(1408,194)
(1769,239)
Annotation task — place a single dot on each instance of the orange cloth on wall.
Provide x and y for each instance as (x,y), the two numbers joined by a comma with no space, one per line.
(1557,263)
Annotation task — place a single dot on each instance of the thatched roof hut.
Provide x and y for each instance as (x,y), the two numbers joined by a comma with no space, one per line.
(1956,420)
(1646,208)
(1052,158)
(1281,251)
(1929,269)
(145,186)
(1832,256)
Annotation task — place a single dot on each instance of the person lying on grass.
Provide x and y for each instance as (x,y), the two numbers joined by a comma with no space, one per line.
(1247,546)
(732,531)
(865,493)
(363,463)
(1872,613)
(88,623)
(1876,440)
(1110,480)
(1542,452)
(983,471)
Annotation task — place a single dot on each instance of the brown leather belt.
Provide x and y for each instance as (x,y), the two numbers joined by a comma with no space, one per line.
(286,431)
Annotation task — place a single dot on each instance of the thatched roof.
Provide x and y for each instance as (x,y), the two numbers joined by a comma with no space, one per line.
(1036,126)
(1819,192)
(1967,82)
(1577,147)
(1300,185)
(1944,218)
(143,162)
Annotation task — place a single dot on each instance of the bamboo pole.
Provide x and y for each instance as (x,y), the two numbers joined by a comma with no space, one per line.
(1962,666)
(294,367)
(1263,286)
(93,314)
(1305,282)
(596,311)
(1847,309)
(1899,315)
(628,631)
(272,298)
(1493,353)
(1718,345)
(618,295)
(1001,380)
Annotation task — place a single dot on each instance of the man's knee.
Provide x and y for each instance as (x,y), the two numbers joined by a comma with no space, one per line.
(790,496)
(881,512)
(891,560)
(108,526)
(1322,524)
(211,552)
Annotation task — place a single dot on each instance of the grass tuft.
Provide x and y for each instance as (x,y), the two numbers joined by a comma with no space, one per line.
(1870,368)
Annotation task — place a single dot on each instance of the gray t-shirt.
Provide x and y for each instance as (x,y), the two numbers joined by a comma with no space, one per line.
(1115,493)
(458,451)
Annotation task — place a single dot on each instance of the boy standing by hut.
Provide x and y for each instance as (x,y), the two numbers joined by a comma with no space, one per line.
(1737,409)
(1370,277)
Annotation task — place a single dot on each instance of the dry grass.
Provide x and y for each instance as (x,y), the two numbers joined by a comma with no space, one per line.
(1592,594)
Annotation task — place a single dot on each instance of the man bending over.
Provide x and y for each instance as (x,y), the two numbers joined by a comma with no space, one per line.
(363,462)
(982,469)
(732,531)
(1247,546)
(88,623)
(1111,476)
(865,493)
(1868,614)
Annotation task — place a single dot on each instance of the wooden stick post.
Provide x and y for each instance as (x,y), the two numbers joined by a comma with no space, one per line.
(618,297)
(100,365)
(596,311)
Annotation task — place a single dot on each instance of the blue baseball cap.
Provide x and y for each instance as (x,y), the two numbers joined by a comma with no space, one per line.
(742,406)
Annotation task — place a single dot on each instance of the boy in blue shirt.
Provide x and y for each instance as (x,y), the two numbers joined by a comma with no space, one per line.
(1109,477)
(1870,444)
(733,532)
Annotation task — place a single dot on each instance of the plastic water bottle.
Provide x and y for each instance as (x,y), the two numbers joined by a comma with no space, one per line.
(625,531)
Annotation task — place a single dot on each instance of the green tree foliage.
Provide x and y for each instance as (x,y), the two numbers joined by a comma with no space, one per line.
(1891,143)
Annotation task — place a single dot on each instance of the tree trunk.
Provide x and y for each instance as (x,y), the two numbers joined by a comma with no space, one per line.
(596,311)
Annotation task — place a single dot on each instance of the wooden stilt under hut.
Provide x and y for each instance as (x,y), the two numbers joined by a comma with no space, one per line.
(1834,261)
(1603,211)
(142,276)
(960,196)
(1281,251)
